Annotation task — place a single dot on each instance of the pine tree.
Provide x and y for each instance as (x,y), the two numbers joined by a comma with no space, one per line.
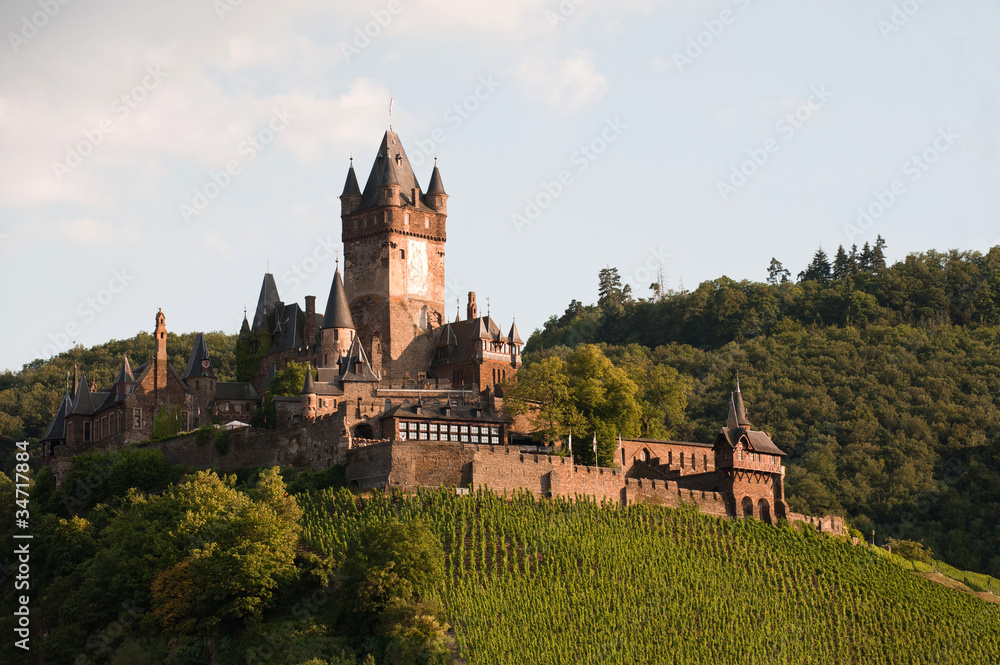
(819,270)
(841,264)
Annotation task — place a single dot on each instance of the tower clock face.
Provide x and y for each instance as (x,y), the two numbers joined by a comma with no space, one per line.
(206,363)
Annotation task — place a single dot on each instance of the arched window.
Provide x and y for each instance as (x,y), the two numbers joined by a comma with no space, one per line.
(747,506)
(644,455)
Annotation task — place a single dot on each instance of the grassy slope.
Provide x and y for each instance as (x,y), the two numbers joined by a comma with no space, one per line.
(557,582)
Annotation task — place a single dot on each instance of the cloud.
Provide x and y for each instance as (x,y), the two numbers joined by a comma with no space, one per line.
(563,83)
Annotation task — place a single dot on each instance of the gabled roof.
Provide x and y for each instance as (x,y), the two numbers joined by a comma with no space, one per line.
(351,184)
(356,366)
(447,337)
(467,333)
(435,186)
(430,411)
(338,312)
(57,430)
(514,335)
(235,390)
(391,167)
(125,373)
(196,368)
(84,402)
(265,303)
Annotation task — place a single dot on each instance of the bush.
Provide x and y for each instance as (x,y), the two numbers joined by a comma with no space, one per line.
(910,549)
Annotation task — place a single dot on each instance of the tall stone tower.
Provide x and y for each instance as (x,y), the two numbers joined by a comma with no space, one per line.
(394,236)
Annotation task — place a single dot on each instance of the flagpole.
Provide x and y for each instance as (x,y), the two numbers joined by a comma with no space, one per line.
(595,450)
(571,447)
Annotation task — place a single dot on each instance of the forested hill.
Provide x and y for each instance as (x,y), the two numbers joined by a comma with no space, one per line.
(881,382)
(29,398)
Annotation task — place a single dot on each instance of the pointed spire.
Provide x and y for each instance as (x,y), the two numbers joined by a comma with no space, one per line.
(125,373)
(515,336)
(338,312)
(265,303)
(245,327)
(391,167)
(83,403)
(741,412)
(199,363)
(351,187)
(309,388)
(435,186)
(731,422)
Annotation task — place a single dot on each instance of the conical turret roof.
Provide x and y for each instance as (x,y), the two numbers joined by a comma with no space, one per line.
(338,312)
(351,187)
(741,412)
(436,186)
(125,373)
(83,404)
(309,387)
(57,430)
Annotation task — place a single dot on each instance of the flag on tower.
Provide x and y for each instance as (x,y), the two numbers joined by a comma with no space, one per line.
(595,450)
(571,444)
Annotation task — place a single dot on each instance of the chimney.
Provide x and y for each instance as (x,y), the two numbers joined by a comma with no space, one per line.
(415,194)
(310,327)
(472,311)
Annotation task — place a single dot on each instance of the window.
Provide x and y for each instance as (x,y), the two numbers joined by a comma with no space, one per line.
(406,219)
(464,429)
(355,224)
(388,404)
(86,431)
(386,217)
(184,420)
(682,460)
(427,221)
(227,407)
(423,427)
(402,254)
(137,418)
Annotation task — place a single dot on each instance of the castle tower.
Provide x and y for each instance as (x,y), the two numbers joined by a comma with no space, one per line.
(751,465)
(394,237)
(338,329)
(160,368)
(199,377)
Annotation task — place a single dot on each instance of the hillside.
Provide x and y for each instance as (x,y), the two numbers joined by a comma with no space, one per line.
(561,582)
(881,382)
(192,569)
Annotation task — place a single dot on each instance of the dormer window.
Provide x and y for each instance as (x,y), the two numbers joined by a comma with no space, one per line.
(399,159)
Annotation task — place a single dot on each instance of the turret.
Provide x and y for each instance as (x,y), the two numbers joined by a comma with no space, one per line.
(338,330)
(471,309)
(351,198)
(436,198)
(160,367)
(309,399)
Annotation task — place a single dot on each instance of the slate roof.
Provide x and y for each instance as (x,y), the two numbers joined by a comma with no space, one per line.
(199,353)
(435,411)
(351,184)
(435,186)
(265,303)
(57,430)
(356,366)
(86,402)
(308,388)
(460,338)
(338,312)
(391,167)
(125,373)
(236,390)
(290,327)
(514,336)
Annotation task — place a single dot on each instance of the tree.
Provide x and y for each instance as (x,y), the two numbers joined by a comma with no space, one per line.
(389,563)
(777,273)
(842,264)
(817,271)
(541,393)
(877,264)
(289,381)
(611,295)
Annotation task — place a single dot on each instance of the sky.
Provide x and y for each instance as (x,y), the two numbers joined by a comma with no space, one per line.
(168,154)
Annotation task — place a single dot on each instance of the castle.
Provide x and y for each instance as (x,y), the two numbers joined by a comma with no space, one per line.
(400,396)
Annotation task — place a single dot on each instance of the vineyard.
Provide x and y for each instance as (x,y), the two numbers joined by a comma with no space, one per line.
(575,582)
